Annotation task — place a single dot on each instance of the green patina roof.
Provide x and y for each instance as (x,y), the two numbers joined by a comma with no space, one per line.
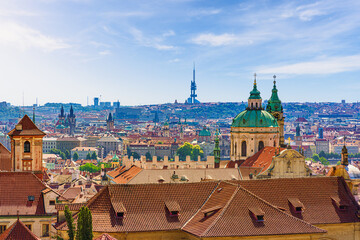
(274,104)
(255,94)
(254,118)
(115,158)
(60,126)
(204,133)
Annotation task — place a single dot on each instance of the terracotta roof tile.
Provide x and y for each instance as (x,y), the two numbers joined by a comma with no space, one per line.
(262,159)
(105,236)
(315,193)
(18,231)
(28,128)
(15,189)
(127,175)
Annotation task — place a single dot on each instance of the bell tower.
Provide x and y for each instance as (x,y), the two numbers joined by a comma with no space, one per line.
(109,123)
(26,146)
(275,108)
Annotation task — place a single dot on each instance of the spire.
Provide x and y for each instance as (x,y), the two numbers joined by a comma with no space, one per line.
(110,117)
(62,111)
(255,94)
(217,150)
(344,154)
(274,103)
(71,111)
(33,114)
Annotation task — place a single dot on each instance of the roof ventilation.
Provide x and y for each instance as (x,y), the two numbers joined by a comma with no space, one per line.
(173,207)
(296,204)
(257,214)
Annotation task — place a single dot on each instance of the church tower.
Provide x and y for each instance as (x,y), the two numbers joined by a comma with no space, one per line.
(62,116)
(217,150)
(275,108)
(72,121)
(26,146)
(298,137)
(110,123)
(344,156)
(252,129)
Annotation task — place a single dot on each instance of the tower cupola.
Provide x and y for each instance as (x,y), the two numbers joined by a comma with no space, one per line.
(255,101)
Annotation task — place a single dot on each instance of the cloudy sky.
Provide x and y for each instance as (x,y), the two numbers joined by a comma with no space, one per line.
(142,52)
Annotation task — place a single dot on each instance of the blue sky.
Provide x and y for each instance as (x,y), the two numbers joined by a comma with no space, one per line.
(142,52)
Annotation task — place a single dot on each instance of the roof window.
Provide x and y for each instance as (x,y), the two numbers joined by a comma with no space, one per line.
(173,207)
(211,211)
(257,214)
(31,198)
(296,204)
(341,204)
(119,209)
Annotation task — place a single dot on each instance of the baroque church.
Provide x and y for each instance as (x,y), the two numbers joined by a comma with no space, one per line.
(256,128)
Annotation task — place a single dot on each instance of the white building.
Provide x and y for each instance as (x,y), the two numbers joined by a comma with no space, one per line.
(48,144)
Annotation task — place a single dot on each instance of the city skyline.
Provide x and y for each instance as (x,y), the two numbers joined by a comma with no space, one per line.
(142,52)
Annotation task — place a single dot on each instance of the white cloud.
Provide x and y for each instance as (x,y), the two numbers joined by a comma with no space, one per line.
(326,66)
(127,14)
(174,60)
(24,37)
(205,12)
(105,52)
(154,42)
(169,33)
(230,39)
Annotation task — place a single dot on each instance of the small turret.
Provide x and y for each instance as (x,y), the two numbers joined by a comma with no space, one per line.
(255,101)
(344,155)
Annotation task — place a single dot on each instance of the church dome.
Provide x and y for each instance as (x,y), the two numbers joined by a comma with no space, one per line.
(254,118)
(204,132)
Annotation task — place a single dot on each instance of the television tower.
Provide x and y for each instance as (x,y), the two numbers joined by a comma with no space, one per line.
(192,99)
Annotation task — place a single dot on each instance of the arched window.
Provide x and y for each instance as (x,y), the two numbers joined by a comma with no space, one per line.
(252,105)
(235,150)
(274,143)
(256,105)
(243,149)
(27,147)
(261,145)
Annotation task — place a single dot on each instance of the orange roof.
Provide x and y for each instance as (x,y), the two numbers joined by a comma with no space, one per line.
(18,231)
(28,128)
(127,175)
(262,159)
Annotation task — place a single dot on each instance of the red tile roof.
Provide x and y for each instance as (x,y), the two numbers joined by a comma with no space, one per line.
(105,236)
(224,208)
(262,159)
(15,189)
(315,193)
(127,175)
(18,231)
(5,158)
(235,217)
(28,128)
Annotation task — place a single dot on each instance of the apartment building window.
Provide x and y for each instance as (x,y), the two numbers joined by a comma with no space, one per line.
(2,228)
(52,202)
(45,230)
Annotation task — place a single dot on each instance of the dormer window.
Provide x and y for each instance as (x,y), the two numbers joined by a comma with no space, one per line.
(341,204)
(211,211)
(173,207)
(119,209)
(257,214)
(31,198)
(27,147)
(296,205)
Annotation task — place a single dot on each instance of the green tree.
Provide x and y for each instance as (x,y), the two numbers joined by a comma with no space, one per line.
(75,156)
(316,157)
(63,156)
(94,156)
(88,156)
(184,150)
(338,163)
(324,161)
(84,226)
(89,167)
(196,151)
(70,223)
(68,155)
(55,151)
(148,156)
(322,154)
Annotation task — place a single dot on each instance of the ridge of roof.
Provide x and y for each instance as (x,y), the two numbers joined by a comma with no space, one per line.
(16,230)
(28,128)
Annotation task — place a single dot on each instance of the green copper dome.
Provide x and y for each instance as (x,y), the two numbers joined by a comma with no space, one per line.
(204,132)
(115,158)
(254,118)
(274,103)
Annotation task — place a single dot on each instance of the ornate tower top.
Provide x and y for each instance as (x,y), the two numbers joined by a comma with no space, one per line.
(254,101)
(274,104)
(344,154)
